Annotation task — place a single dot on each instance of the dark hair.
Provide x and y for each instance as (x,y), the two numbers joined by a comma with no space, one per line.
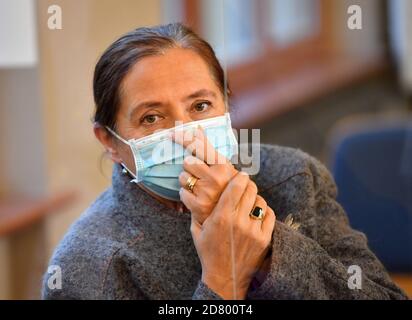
(117,60)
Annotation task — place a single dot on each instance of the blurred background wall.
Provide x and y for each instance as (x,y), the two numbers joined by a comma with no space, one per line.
(297,70)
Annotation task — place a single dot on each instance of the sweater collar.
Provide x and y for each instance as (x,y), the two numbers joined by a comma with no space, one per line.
(130,196)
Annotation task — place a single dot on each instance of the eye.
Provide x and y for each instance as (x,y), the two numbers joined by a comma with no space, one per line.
(149,119)
(202,106)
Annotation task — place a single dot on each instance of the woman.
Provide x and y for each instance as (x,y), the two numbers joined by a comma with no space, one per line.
(214,236)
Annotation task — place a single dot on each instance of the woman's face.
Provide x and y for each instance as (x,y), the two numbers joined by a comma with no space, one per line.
(160,92)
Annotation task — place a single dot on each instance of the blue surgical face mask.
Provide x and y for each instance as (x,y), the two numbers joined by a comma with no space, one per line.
(159,160)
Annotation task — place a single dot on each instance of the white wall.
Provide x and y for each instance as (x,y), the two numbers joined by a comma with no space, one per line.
(22,169)
(17,33)
(400,19)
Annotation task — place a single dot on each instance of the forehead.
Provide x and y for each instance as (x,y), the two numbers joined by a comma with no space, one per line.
(176,72)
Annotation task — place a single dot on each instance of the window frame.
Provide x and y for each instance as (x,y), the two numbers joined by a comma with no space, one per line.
(276,80)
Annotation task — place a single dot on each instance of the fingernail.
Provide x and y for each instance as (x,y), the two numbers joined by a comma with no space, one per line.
(180,191)
(244,173)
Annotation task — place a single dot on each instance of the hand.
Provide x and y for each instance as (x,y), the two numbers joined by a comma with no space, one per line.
(212,169)
(231,245)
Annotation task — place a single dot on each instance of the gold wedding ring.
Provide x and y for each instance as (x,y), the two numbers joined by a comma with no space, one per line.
(190,183)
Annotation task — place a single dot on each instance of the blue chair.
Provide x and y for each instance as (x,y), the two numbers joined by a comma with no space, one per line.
(372,167)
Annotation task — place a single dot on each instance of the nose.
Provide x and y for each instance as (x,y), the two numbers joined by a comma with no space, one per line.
(180,115)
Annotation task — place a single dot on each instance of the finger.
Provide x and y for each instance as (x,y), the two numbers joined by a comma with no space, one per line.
(188,198)
(248,199)
(261,203)
(205,150)
(218,175)
(196,167)
(269,221)
(183,178)
(231,196)
(190,201)
(197,144)
(216,158)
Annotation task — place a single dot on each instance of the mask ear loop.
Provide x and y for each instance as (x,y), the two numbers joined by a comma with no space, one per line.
(117,136)
(126,142)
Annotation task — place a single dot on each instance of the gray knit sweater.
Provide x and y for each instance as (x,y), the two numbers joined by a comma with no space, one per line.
(127,245)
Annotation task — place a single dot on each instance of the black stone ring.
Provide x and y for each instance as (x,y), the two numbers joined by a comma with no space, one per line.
(257,213)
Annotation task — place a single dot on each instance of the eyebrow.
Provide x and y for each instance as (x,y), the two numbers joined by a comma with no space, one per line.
(201,93)
(152,104)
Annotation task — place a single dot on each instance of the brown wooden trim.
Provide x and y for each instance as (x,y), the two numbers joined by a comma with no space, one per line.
(192,16)
(17,213)
(327,36)
(316,77)
(275,62)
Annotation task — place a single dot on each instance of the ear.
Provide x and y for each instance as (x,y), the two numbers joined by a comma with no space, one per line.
(107,140)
